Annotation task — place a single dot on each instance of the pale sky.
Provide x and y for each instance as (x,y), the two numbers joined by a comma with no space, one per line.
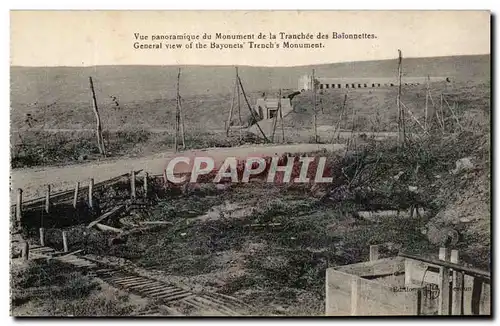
(88,38)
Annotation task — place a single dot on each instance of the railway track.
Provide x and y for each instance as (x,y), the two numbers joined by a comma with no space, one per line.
(172,296)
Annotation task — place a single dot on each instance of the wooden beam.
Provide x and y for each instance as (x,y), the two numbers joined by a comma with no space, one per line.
(100,140)
(444,284)
(337,127)
(155,223)
(281,117)
(19,206)
(103,227)
(91,195)
(25,250)
(233,95)
(314,107)
(373,252)
(177,113)
(401,115)
(145,184)
(355,295)
(132,185)
(47,200)
(477,289)
(467,270)
(42,237)
(112,213)
(65,241)
(251,111)
(457,287)
(181,122)
(75,197)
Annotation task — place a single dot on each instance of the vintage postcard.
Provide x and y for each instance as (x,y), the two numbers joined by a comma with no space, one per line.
(250,163)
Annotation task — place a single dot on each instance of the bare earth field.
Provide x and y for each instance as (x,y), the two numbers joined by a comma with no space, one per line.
(265,244)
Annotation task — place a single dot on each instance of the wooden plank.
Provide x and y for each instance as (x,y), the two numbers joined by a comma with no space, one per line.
(215,306)
(67,195)
(355,295)
(377,267)
(91,193)
(19,206)
(153,287)
(132,185)
(25,250)
(373,252)
(42,237)
(47,200)
(65,241)
(444,285)
(145,184)
(100,140)
(115,211)
(104,227)
(467,270)
(155,223)
(65,254)
(121,280)
(477,288)
(175,297)
(170,293)
(75,197)
(164,289)
(457,287)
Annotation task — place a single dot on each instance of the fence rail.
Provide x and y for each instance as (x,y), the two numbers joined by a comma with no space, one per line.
(67,195)
(466,270)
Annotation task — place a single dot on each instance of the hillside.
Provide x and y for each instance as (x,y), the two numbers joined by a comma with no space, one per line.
(146,83)
(59,97)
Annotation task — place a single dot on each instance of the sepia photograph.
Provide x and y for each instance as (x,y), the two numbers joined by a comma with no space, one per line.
(250,163)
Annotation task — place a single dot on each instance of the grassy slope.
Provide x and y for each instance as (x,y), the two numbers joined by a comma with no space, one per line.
(146,93)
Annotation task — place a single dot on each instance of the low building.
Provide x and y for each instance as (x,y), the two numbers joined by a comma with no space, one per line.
(305,82)
(267,108)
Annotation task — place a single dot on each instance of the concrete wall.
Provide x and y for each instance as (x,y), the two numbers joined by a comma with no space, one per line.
(377,299)
(351,295)
(338,293)
(426,275)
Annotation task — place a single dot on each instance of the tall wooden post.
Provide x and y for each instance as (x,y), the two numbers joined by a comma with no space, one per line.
(281,118)
(42,237)
(179,124)
(373,252)
(238,95)
(91,195)
(75,197)
(355,295)
(19,206)
(100,139)
(65,241)
(47,200)
(426,102)
(314,107)
(444,284)
(457,287)
(132,184)
(251,111)
(401,114)
(145,184)
(25,251)
(235,89)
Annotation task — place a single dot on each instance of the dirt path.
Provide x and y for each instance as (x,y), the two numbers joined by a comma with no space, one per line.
(33,181)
